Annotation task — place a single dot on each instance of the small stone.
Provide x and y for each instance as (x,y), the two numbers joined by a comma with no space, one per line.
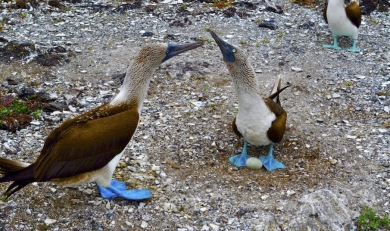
(297,69)
(333,161)
(53,190)
(49,221)
(36,123)
(382,130)
(214,227)
(319,120)
(290,192)
(351,137)
(254,163)
(264,197)
(360,76)
(144,224)
(386,109)
(336,96)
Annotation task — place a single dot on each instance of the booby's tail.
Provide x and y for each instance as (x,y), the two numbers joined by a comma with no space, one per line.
(20,173)
(276,89)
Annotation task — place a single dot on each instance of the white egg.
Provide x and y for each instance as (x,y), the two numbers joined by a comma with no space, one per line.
(254,163)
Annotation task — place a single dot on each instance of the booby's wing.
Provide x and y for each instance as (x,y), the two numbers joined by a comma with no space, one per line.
(324,13)
(354,14)
(276,131)
(234,127)
(86,143)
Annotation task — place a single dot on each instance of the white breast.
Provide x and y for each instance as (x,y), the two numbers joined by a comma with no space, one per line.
(339,23)
(254,119)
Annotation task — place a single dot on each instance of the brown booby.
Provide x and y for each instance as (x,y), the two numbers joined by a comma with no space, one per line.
(343,21)
(88,147)
(261,121)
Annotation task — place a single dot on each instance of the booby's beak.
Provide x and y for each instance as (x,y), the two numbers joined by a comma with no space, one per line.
(175,49)
(226,49)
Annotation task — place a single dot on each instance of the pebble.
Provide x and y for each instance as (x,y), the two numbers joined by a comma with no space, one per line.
(296,69)
(336,96)
(144,224)
(49,221)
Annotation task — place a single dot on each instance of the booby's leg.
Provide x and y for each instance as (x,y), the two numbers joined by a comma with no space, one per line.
(354,48)
(269,162)
(334,46)
(118,189)
(240,160)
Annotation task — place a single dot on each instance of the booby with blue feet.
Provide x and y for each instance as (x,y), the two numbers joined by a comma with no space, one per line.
(88,148)
(261,121)
(343,21)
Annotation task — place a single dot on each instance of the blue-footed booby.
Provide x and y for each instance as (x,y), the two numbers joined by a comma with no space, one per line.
(261,121)
(88,147)
(343,21)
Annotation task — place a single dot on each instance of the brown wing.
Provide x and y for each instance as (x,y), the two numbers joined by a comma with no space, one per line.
(81,145)
(276,131)
(354,14)
(324,13)
(234,127)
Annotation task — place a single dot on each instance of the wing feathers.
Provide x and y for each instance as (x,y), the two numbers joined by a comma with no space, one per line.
(85,145)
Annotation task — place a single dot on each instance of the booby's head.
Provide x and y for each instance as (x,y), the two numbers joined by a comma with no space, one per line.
(155,54)
(232,55)
(237,62)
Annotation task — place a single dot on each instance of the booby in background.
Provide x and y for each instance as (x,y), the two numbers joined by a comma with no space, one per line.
(343,21)
(261,121)
(88,147)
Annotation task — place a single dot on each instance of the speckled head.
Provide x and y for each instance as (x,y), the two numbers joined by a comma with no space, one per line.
(155,54)
(237,62)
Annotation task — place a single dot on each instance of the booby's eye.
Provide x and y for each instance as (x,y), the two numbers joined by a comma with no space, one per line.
(234,50)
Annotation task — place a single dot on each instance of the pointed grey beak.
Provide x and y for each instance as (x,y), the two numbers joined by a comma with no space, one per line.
(226,49)
(175,49)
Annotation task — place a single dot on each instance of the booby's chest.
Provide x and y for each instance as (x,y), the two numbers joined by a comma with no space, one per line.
(254,118)
(338,21)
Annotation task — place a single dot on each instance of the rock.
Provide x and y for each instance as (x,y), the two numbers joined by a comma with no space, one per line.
(144,224)
(296,69)
(269,24)
(323,208)
(49,221)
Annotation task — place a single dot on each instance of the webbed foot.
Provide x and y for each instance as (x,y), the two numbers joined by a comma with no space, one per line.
(269,162)
(240,160)
(118,189)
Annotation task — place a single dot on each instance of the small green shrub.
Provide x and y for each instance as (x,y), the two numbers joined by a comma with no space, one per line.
(369,220)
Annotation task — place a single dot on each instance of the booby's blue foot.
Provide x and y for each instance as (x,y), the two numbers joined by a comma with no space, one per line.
(240,160)
(269,162)
(354,48)
(118,189)
(334,46)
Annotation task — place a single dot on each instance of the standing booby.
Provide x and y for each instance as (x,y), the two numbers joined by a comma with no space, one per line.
(88,147)
(261,121)
(343,21)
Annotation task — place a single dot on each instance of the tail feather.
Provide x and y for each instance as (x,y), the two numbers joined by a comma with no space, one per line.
(276,90)
(20,173)
(9,166)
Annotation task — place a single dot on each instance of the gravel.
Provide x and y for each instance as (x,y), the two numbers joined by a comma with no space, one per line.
(336,147)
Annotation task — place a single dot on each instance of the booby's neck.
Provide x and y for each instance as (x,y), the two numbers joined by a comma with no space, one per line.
(336,4)
(244,80)
(135,86)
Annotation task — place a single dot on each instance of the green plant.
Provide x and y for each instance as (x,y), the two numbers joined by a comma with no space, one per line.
(242,42)
(257,44)
(266,41)
(280,35)
(24,15)
(36,114)
(348,83)
(16,106)
(59,20)
(206,87)
(257,21)
(369,220)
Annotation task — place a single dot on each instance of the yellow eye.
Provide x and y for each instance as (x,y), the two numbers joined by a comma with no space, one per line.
(234,50)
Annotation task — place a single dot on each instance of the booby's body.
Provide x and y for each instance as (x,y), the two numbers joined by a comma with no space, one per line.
(88,147)
(343,21)
(261,121)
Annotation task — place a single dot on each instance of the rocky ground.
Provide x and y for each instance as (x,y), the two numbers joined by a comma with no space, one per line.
(71,58)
